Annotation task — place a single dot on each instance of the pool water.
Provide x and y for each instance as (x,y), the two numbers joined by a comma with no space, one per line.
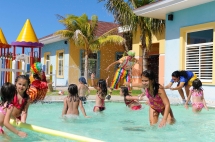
(118,123)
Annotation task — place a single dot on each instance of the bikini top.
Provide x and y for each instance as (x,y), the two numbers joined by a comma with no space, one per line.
(15,102)
(3,109)
(196,92)
(128,102)
(155,102)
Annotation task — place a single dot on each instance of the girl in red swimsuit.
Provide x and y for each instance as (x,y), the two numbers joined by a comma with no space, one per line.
(131,101)
(7,93)
(101,88)
(21,99)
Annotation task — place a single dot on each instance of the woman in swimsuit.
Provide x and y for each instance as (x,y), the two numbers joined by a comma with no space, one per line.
(198,101)
(8,91)
(21,99)
(101,88)
(157,99)
(131,101)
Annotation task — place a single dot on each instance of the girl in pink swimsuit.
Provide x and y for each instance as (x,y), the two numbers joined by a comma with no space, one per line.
(157,99)
(101,88)
(131,101)
(198,101)
(7,93)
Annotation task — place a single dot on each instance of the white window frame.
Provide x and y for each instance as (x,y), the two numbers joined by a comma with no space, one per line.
(196,53)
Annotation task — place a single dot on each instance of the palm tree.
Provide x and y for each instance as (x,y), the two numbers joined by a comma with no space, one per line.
(81,30)
(123,14)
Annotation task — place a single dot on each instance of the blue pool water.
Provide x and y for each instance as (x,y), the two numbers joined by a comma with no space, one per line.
(118,123)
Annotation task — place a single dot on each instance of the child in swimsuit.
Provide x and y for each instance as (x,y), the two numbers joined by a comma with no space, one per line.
(101,88)
(8,91)
(198,101)
(157,99)
(72,102)
(21,99)
(131,101)
(83,89)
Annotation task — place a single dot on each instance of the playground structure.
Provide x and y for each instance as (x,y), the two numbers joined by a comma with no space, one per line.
(13,64)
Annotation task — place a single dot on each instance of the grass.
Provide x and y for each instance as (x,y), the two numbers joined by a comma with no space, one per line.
(93,92)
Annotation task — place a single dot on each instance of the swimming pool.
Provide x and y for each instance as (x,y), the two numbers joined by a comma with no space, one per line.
(117,123)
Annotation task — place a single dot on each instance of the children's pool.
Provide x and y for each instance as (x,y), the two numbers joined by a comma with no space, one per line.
(117,123)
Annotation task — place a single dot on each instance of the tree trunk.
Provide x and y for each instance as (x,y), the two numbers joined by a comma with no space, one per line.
(86,65)
(145,59)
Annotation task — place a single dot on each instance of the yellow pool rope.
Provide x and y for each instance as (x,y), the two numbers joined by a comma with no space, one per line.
(53,132)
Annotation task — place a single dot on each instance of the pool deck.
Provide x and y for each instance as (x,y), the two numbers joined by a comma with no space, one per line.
(115,98)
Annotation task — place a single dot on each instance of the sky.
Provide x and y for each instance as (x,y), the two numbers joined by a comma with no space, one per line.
(42,14)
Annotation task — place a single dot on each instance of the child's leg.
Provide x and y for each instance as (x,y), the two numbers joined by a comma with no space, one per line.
(196,110)
(181,92)
(153,116)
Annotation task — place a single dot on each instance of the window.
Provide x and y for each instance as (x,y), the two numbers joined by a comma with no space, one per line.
(60,65)
(118,56)
(93,63)
(199,54)
(47,62)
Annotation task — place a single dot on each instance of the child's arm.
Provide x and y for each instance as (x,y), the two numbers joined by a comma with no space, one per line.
(25,112)
(165,100)
(188,99)
(82,109)
(9,126)
(93,81)
(204,101)
(65,107)
(134,97)
(107,80)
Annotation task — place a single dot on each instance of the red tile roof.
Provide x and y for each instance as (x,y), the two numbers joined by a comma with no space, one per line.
(102,28)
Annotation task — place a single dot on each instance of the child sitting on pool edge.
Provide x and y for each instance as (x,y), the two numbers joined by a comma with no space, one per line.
(72,102)
(198,101)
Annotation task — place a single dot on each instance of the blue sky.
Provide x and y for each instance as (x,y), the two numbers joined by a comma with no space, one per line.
(42,14)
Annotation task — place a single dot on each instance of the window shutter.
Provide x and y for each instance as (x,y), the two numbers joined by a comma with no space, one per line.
(199,60)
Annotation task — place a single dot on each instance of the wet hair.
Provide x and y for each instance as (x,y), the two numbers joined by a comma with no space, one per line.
(83,80)
(8,90)
(124,91)
(179,73)
(103,86)
(28,82)
(197,84)
(154,86)
(73,92)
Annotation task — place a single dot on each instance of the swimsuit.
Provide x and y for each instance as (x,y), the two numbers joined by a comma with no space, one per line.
(156,102)
(101,108)
(16,104)
(2,110)
(83,99)
(197,105)
(136,107)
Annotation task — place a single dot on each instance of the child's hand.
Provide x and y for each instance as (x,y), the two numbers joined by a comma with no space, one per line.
(186,106)
(162,123)
(22,134)
(107,77)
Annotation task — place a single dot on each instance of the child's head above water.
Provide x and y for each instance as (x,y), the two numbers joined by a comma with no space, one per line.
(197,84)
(73,91)
(22,83)
(8,90)
(124,91)
(82,80)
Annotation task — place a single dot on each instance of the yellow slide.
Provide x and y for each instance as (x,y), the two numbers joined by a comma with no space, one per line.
(53,132)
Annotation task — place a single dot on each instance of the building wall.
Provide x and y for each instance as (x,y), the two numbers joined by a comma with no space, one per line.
(52,48)
(191,17)
(107,56)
